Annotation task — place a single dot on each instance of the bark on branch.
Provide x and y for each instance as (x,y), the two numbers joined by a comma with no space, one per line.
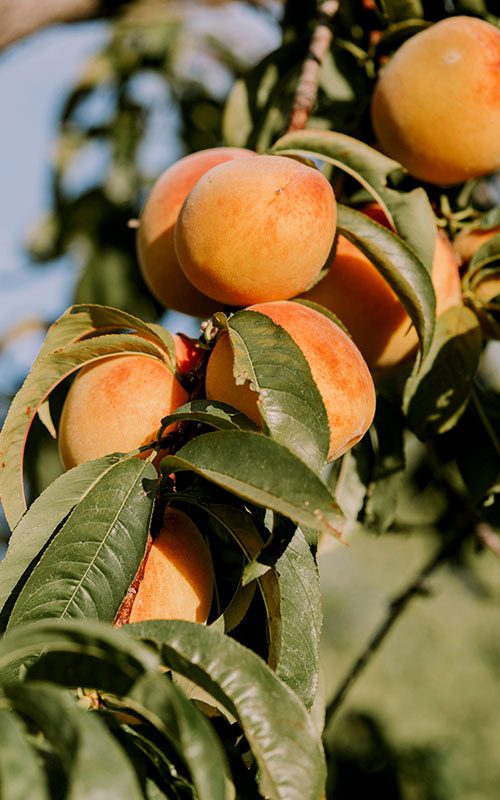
(21,18)
(307,88)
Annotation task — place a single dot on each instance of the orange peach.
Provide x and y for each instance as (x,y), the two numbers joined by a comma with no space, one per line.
(116,404)
(337,367)
(155,236)
(355,291)
(256,229)
(436,105)
(178,576)
(468,241)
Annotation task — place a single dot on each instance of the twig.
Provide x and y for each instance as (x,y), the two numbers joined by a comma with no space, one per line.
(307,88)
(396,608)
(488,538)
(125,609)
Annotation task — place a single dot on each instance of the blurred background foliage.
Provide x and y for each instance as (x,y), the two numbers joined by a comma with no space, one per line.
(173,77)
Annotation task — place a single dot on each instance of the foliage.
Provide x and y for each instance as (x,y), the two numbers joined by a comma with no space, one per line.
(233,709)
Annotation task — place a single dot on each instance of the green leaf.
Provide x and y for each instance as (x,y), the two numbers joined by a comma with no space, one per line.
(387,459)
(95,765)
(87,568)
(276,724)
(87,319)
(44,376)
(98,651)
(162,704)
(288,399)
(262,471)
(400,267)
(485,256)
(239,525)
(252,114)
(211,412)
(410,212)
(435,399)
(396,10)
(39,523)
(21,776)
(301,614)
(150,695)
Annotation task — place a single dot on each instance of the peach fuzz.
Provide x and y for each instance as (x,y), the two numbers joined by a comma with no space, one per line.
(355,291)
(116,404)
(256,229)
(436,105)
(468,241)
(337,367)
(178,576)
(155,236)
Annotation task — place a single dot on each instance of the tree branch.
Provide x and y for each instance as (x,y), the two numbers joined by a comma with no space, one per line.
(488,538)
(307,88)
(21,18)
(396,608)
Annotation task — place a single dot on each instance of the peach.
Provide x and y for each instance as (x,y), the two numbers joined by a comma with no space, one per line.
(256,229)
(178,576)
(468,241)
(436,105)
(116,404)
(155,237)
(361,298)
(337,367)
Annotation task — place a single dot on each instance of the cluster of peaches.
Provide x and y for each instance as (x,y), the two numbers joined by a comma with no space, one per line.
(226,228)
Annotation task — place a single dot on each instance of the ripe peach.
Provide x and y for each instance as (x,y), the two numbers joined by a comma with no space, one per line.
(468,241)
(155,236)
(436,105)
(178,576)
(337,367)
(258,229)
(363,300)
(116,405)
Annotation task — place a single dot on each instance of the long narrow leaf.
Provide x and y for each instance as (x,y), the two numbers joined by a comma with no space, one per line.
(39,523)
(276,724)
(262,471)
(44,376)
(87,568)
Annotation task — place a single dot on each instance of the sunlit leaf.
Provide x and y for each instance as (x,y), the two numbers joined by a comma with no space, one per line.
(37,526)
(45,375)
(86,569)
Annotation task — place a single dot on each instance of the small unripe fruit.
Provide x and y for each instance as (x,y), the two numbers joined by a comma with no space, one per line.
(116,404)
(155,236)
(436,105)
(355,291)
(178,576)
(256,229)
(337,367)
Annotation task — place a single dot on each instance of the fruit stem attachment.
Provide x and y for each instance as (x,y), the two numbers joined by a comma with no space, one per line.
(307,87)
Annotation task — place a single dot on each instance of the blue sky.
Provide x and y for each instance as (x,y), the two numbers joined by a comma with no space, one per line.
(34,78)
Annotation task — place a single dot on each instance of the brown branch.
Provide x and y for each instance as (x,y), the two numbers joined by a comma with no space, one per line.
(123,614)
(396,608)
(307,88)
(488,538)
(21,18)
